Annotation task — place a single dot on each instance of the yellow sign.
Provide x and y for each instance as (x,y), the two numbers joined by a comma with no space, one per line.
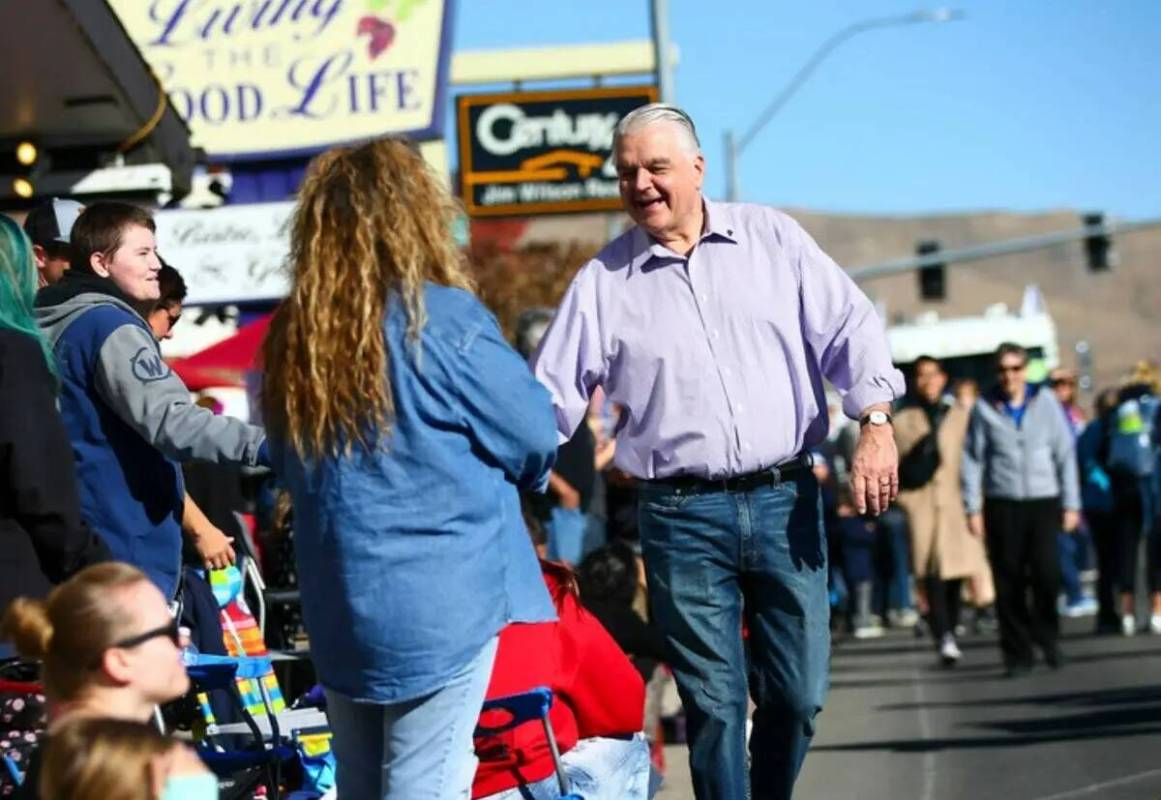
(269,78)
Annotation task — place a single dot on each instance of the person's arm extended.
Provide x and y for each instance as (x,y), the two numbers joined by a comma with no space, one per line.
(142,390)
(566,493)
(570,361)
(214,547)
(506,412)
(36,465)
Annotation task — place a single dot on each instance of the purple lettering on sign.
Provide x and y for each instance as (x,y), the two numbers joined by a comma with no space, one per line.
(182,22)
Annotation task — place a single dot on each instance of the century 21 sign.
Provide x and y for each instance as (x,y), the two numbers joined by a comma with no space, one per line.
(262,78)
(542,152)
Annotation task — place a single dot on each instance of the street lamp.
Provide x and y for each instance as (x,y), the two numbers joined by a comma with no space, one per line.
(734,147)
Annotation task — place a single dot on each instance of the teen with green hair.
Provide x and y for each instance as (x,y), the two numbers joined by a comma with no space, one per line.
(42,537)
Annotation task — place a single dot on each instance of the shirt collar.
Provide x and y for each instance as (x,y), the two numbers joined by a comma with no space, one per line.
(718,224)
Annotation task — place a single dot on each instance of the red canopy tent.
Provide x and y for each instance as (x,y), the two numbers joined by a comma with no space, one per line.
(227,362)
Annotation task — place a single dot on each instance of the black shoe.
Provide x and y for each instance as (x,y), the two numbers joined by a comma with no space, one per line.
(1017,670)
(1054,658)
(984,622)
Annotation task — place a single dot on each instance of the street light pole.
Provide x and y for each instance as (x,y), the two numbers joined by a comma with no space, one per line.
(659,10)
(735,146)
(731,166)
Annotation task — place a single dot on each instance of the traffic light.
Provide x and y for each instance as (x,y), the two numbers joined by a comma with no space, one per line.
(1098,247)
(932,278)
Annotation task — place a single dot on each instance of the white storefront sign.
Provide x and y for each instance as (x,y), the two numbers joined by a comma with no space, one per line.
(229,254)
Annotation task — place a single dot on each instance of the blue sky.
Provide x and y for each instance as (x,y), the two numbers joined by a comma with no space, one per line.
(1024,104)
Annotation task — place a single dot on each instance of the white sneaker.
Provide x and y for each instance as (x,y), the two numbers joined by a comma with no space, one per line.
(869,630)
(1155,623)
(949,651)
(1129,625)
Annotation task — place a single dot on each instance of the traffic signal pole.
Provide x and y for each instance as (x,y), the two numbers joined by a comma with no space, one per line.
(995,249)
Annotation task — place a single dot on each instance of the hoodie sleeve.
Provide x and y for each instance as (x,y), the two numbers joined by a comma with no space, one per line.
(142,390)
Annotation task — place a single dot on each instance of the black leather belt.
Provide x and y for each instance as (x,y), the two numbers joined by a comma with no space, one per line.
(689,484)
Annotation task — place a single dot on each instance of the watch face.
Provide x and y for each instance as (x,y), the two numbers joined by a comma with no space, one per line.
(877,418)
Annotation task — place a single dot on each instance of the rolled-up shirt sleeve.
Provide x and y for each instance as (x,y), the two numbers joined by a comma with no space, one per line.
(843,330)
(570,360)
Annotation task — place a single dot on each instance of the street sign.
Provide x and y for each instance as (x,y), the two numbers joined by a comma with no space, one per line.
(549,152)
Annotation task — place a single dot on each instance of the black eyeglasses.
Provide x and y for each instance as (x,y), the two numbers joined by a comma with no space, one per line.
(169,630)
(1018,368)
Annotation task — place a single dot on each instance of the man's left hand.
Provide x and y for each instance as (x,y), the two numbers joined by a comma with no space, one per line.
(875,469)
(1071,520)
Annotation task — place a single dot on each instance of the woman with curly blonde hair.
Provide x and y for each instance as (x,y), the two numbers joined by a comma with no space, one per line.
(403,425)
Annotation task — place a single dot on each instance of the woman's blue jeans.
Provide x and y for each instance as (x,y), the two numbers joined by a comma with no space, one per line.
(415,750)
(710,558)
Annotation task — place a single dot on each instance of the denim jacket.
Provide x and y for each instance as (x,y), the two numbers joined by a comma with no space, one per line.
(413,555)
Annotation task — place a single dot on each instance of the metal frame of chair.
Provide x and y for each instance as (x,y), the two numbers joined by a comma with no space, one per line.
(525,707)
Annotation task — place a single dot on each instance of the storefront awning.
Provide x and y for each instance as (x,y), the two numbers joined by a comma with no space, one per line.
(75,83)
(227,362)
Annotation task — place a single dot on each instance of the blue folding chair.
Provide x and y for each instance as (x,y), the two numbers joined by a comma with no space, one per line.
(269,751)
(526,707)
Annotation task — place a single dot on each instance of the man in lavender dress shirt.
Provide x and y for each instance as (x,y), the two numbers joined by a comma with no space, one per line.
(714,326)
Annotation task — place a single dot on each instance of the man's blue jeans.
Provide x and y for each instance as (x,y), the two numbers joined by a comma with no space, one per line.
(710,558)
(415,750)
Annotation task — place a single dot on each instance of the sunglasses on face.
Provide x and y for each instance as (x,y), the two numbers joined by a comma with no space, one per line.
(170,631)
(1005,368)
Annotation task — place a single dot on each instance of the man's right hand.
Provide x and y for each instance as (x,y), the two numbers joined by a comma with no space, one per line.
(976,525)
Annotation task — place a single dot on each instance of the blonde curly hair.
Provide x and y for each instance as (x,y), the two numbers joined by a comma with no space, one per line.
(371,221)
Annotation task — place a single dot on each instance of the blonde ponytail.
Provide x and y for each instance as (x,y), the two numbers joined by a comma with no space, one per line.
(26,624)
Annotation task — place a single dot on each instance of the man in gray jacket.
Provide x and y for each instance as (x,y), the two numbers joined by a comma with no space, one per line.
(1020,487)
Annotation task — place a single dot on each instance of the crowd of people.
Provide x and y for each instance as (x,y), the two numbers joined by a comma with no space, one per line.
(1011,495)
(660,442)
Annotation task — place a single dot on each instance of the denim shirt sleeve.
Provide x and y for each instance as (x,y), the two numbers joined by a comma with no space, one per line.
(508,414)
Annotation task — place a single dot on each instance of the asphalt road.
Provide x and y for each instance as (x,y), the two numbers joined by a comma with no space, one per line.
(899,727)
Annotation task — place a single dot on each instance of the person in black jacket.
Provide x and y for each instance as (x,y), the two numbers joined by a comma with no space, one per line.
(42,537)
(608,580)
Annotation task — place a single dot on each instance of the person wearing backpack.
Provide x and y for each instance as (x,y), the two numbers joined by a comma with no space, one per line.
(1130,459)
(930,433)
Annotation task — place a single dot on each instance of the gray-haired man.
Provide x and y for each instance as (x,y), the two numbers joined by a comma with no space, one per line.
(714,326)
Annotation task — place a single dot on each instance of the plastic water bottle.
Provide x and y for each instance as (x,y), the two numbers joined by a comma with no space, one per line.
(189,653)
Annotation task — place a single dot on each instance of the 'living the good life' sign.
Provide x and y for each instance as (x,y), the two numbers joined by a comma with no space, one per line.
(542,152)
(255,78)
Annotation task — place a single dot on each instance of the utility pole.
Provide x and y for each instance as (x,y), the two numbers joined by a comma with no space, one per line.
(735,145)
(664,68)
